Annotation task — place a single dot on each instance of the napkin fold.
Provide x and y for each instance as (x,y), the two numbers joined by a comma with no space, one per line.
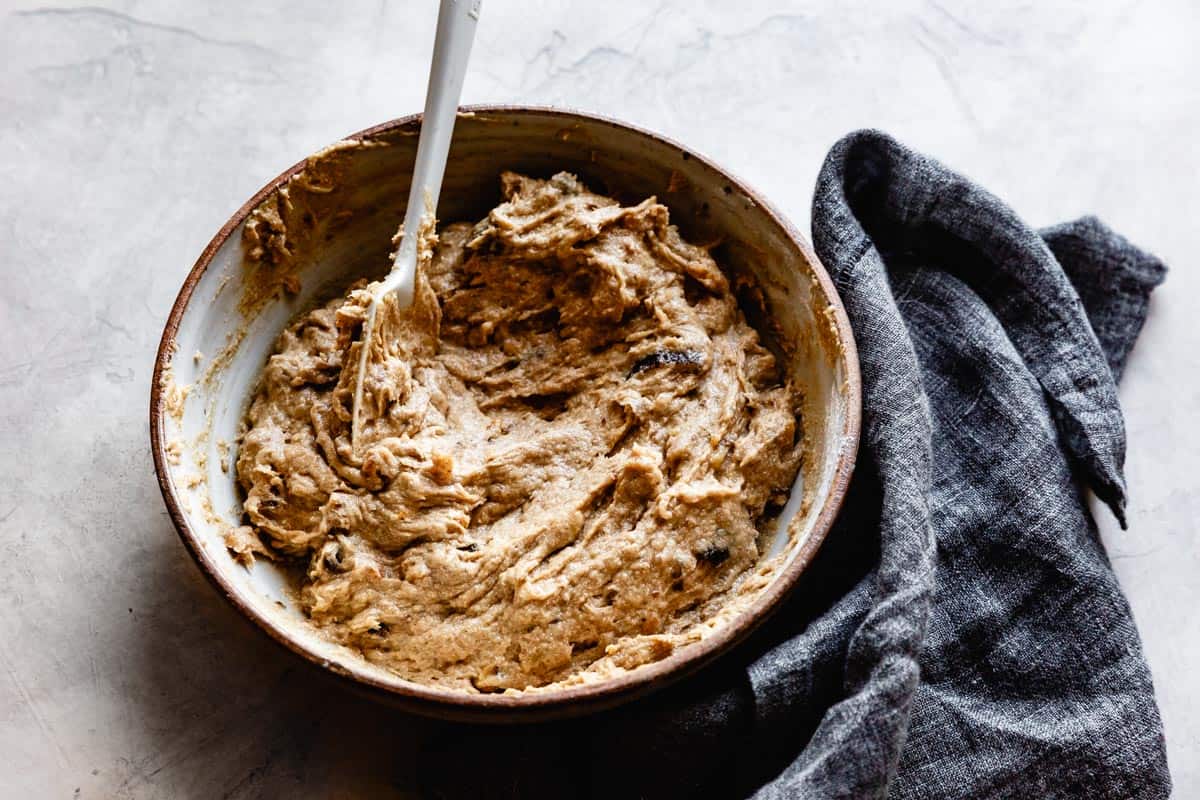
(961,633)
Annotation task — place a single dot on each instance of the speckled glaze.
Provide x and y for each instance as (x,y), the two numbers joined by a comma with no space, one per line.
(215,343)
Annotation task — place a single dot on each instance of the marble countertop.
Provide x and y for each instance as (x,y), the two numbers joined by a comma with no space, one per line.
(129,131)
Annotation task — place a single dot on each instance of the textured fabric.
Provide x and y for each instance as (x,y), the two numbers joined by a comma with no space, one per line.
(961,633)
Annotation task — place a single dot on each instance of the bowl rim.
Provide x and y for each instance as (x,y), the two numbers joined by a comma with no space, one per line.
(569,700)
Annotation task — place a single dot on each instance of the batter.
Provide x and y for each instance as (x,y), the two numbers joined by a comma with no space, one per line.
(571,443)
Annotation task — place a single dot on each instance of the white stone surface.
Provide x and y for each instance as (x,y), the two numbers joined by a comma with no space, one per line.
(130,132)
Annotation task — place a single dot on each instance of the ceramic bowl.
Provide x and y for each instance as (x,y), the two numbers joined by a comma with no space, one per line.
(227,316)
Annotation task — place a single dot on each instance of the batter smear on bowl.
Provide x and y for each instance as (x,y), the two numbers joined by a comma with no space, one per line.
(572,442)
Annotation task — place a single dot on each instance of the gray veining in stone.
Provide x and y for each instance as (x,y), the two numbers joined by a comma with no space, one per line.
(129,133)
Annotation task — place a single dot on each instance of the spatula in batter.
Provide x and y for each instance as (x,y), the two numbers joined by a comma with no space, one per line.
(451,49)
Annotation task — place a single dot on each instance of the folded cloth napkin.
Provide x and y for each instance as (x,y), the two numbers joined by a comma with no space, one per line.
(961,633)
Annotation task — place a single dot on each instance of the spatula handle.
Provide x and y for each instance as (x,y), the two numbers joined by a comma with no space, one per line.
(451,49)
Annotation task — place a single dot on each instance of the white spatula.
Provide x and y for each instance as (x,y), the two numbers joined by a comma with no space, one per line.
(451,49)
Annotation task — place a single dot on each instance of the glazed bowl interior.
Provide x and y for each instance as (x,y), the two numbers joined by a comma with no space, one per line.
(219,336)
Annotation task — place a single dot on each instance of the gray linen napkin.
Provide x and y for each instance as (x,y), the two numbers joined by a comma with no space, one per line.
(961,634)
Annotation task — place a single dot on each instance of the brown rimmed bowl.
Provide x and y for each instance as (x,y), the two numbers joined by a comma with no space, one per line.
(229,312)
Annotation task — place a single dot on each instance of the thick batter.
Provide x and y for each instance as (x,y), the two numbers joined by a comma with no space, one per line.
(573,440)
